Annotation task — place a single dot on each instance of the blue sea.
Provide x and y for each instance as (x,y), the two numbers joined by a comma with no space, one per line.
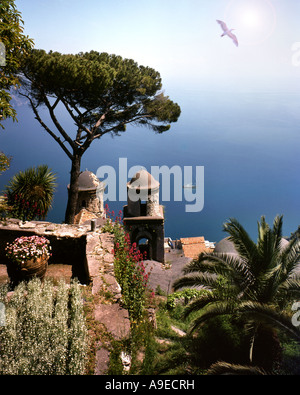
(248,144)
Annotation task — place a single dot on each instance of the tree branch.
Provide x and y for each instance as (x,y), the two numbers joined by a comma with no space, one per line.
(96,136)
(79,124)
(99,122)
(57,124)
(48,130)
(55,104)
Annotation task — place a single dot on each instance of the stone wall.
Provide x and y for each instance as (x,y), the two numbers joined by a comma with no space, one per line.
(68,243)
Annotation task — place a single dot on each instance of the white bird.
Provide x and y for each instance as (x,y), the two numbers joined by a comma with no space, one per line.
(228,32)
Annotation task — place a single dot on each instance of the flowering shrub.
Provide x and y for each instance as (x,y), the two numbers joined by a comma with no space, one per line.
(130,270)
(24,209)
(132,276)
(28,247)
(112,225)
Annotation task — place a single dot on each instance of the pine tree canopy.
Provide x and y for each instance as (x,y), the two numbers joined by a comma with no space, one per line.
(101,92)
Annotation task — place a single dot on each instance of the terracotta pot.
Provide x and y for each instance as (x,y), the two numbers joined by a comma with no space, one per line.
(36,267)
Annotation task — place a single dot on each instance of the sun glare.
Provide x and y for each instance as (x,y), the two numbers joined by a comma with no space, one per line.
(250,18)
(254,20)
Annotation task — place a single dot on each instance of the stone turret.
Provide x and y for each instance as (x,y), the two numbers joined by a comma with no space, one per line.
(143,195)
(143,215)
(90,197)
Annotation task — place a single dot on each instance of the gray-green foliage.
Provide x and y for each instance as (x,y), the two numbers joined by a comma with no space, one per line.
(44,331)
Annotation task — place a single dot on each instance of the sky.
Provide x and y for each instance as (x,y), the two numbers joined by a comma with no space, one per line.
(240,105)
(179,38)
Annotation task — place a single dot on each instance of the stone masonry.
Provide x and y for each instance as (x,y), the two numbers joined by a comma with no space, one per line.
(108,312)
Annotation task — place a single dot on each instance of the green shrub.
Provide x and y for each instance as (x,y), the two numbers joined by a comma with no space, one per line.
(184,296)
(30,193)
(44,331)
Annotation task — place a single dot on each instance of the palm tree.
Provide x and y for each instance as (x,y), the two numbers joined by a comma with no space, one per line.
(257,284)
(30,193)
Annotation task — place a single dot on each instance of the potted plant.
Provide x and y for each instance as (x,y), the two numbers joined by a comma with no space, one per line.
(28,257)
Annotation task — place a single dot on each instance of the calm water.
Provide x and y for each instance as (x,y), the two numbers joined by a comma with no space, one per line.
(248,144)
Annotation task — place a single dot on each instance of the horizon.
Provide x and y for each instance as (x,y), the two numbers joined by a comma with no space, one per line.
(180,39)
(239,104)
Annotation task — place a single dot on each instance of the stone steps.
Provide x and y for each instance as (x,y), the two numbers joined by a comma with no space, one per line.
(108,313)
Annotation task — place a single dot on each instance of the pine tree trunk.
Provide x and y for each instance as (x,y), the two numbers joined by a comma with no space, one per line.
(73,190)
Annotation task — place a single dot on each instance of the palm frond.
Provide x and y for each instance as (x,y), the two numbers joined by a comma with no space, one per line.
(225,368)
(290,288)
(277,231)
(244,245)
(254,285)
(203,280)
(199,303)
(200,264)
(283,276)
(213,310)
(268,314)
(231,267)
(290,257)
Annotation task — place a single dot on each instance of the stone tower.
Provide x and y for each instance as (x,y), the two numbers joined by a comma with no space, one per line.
(143,215)
(90,197)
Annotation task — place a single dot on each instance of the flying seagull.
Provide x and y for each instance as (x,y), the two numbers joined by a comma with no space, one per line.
(228,32)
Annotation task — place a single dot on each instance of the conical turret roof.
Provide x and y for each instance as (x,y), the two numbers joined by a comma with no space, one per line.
(143,180)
